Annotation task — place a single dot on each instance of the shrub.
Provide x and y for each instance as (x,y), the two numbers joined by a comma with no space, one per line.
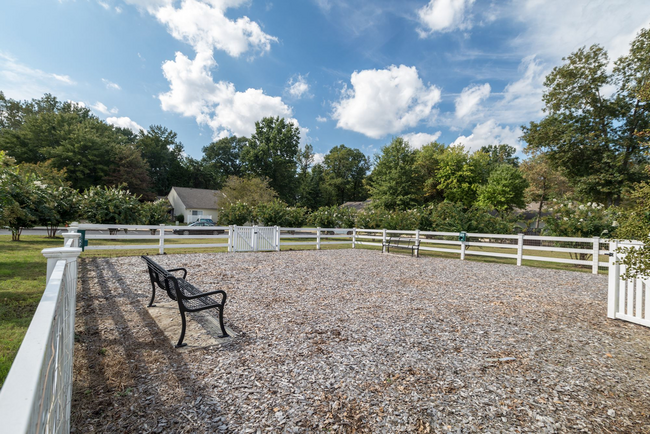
(238,213)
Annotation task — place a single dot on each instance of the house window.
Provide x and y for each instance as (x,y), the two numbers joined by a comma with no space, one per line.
(195,212)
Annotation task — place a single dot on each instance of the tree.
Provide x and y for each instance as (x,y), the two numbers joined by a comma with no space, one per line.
(501,154)
(427,164)
(394,182)
(223,158)
(272,153)
(129,168)
(544,182)
(25,198)
(252,191)
(460,174)
(504,189)
(344,170)
(591,136)
(164,154)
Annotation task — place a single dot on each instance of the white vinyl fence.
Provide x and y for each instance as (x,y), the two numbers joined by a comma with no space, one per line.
(36,395)
(628,300)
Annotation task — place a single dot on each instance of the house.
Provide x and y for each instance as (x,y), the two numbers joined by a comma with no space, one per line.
(194,203)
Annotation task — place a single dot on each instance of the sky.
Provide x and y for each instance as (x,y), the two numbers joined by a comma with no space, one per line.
(357,73)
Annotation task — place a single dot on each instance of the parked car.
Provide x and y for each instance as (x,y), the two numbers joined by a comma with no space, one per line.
(205,226)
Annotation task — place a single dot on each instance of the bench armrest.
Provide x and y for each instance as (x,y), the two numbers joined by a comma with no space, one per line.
(206,294)
(179,269)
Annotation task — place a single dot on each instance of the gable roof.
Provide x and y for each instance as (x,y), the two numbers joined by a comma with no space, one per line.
(194,198)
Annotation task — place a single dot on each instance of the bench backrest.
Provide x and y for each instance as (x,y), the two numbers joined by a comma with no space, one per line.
(159,276)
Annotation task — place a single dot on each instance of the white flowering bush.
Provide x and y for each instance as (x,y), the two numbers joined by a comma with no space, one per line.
(573,219)
(110,205)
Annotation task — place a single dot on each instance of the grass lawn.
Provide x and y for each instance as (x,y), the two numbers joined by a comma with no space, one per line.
(23,269)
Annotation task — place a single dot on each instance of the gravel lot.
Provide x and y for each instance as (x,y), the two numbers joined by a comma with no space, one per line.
(357,341)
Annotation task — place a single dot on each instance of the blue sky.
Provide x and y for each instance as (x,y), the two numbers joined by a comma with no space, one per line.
(347,72)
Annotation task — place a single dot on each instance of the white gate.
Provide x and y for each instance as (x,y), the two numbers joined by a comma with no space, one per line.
(628,300)
(255,238)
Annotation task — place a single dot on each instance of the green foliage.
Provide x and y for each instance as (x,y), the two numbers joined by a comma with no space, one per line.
(25,198)
(427,164)
(238,213)
(333,217)
(592,137)
(276,213)
(154,213)
(459,174)
(504,189)
(394,182)
(223,159)
(344,171)
(163,153)
(253,191)
(110,205)
(573,219)
(272,153)
(501,154)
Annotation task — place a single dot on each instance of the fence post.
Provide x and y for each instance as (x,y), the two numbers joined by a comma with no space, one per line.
(161,243)
(463,246)
(614,280)
(54,255)
(318,238)
(520,249)
(383,241)
(254,238)
(277,238)
(595,255)
(233,235)
(354,238)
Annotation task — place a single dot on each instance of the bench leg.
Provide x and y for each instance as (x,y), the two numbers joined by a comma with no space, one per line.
(184,324)
(223,329)
(153,294)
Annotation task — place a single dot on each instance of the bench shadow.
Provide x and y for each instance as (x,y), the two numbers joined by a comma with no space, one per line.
(127,375)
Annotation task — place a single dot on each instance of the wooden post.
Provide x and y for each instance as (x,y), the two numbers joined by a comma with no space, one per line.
(520,249)
(383,241)
(318,238)
(161,242)
(354,237)
(614,280)
(595,255)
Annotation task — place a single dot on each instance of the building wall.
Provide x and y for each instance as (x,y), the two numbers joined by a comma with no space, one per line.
(207,213)
(177,204)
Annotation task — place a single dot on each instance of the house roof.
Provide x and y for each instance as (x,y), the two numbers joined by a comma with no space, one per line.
(357,205)
(200,198)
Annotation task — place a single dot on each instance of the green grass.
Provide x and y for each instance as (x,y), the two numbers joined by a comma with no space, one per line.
(23,269)
(22,282)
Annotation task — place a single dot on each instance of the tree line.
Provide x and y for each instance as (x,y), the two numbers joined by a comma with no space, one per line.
(589,148)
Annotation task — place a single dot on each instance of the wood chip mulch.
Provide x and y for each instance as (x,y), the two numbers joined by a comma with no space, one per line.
(356,341)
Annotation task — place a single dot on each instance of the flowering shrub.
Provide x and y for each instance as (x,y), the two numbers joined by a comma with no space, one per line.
(110,205)
(333,217)
(154,213)
(574,219)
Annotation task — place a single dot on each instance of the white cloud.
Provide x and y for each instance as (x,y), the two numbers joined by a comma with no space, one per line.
(110,85)
(469,99)
(194,93)
(124,122)
(98,106)
(104,5)
(443,16)
(385,101)
(556,28)
(319,158)
(489,133)
(205,27)
(321,119)
(19,81)
(417,140)
(297,87)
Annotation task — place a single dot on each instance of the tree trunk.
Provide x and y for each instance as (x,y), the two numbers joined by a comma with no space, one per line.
(15,234)
(51,231)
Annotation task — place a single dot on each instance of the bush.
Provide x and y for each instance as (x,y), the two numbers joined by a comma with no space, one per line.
(180,218)
(154,213)
(333,217)
(110,205)
(238,213)
(573,219)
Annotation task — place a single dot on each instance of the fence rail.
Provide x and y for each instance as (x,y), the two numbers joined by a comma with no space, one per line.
(520,247)
(37,392)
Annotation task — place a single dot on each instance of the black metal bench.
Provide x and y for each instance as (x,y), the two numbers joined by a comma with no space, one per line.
(402,243)
(188,296)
